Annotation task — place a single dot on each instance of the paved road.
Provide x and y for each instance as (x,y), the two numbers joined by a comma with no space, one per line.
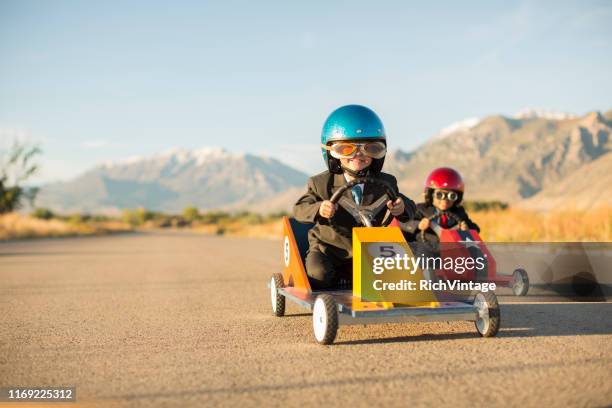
(179,319)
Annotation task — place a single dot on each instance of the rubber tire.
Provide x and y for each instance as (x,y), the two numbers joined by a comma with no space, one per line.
(494,315)
(525,278)
(278,304)
(330,308)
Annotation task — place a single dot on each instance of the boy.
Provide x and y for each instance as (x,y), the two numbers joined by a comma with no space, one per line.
(443,193)
(354,145)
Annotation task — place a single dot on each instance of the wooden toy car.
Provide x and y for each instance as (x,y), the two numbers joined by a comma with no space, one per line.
(454,242)
(334,308)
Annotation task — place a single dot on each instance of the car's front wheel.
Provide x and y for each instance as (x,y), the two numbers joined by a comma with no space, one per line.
(325,319)
(488,319)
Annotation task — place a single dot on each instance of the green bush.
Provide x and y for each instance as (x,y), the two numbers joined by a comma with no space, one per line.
(137,217)
(191,214)
(214,217)
(77,218)
(485,205)
(99,218)
(42,213)
(249,218)
(275,216)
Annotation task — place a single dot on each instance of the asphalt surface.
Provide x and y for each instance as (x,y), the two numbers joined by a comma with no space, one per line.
(180,319)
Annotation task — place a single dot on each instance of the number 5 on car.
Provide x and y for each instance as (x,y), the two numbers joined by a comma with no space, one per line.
(384,271)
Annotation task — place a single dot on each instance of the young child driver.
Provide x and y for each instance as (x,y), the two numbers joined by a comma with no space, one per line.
(353,145)
(443,193)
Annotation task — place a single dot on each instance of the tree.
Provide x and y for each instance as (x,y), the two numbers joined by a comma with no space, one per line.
(16,166)
(137,217)
(190,214)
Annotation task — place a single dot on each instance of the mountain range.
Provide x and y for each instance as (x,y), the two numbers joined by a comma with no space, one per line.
(519,160)
(535,159)
(170,181)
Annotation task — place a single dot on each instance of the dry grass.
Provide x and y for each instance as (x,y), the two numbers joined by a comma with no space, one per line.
(512,225)
(269,230)
(18,226)
(515,225)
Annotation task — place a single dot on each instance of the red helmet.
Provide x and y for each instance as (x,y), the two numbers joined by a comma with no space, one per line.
(446,178)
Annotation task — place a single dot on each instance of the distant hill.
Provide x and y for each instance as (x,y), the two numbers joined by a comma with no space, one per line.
(514,159)
(206,178)
(587,188)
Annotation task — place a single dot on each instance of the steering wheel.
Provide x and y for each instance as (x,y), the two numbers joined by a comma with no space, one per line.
(435,227)
(363,214)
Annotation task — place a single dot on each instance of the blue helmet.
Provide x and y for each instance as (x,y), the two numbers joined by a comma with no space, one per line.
(352,123)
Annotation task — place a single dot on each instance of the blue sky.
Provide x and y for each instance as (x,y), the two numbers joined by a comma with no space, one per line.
(97,81)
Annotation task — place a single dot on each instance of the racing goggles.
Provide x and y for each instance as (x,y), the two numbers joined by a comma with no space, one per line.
(348,150)
(446,195)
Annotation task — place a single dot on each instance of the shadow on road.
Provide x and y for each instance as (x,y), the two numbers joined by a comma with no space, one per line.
(527,320)
(556,319)
(407,339)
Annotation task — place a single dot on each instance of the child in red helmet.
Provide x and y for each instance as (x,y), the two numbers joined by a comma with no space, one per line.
(443,194)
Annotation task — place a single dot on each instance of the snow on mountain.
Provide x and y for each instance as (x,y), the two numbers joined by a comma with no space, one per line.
(543,114)
(467,124)
(461,126)
(178,155)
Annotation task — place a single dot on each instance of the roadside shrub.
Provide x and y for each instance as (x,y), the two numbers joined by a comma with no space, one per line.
(275,216)
(191,214)
(485,205)
(249,218)
(100,218)
(77,218)
(137,217)
(214,217)
(42,214)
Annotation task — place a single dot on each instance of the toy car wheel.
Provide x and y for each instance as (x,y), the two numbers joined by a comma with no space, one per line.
(488,319)
(278,300)
(325,319)
(520,282)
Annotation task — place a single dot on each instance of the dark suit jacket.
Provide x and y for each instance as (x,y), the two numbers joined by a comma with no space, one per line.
(321,187)
(424,210)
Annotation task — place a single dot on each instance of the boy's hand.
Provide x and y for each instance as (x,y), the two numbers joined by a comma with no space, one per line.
(397,208)
(424,224)
(327,209)
(463,225)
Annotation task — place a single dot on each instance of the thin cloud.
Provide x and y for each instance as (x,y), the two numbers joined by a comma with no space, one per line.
(95,144)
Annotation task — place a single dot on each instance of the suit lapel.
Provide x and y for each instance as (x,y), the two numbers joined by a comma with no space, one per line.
(339,181)
(371,192)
